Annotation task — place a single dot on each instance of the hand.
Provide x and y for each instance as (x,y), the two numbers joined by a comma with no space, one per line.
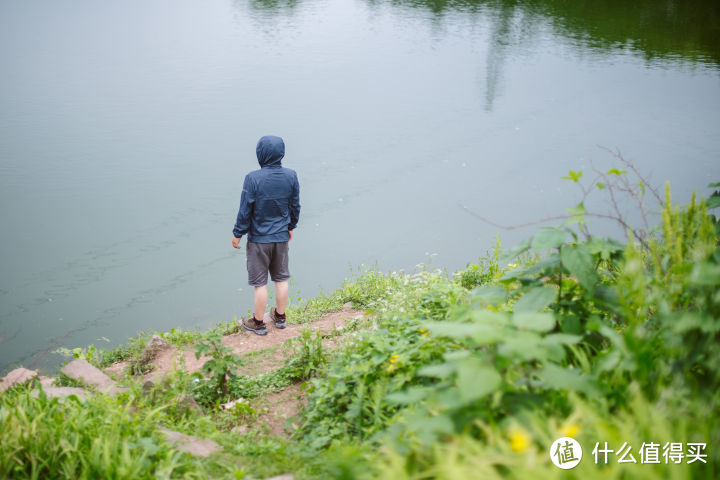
(290,232)
(236,242)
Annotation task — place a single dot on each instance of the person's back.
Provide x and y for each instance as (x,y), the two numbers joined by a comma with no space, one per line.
(269,212)
(270,205)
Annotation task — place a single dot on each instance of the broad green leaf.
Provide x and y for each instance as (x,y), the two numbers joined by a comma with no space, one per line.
(535,300)
(562,338)
(579,262)
(429,428)
(411,395)
(555,352)
(488,328)
(454,329)
(489,334)
(448,398)
(615,171)
(440,370)
(608,362)
(514,252)
(604,247)
(696,321)
(555,345)
(490,294)
(713,202)
(523,346)
(456,355)
(538,322)
(475,381)
(566,379)
(486,317)
(549,263)
(608,296)
(548,238)
(570,324)
(705,273)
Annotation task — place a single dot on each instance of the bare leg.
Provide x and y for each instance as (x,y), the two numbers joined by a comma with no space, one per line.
(261,295)
(281,292)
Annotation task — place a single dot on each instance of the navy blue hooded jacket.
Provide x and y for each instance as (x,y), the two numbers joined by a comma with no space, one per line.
(270,200)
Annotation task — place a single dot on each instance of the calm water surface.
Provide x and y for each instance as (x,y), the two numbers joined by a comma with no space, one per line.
(126,129)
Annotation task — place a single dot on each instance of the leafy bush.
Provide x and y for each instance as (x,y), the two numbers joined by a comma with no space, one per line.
(220,369)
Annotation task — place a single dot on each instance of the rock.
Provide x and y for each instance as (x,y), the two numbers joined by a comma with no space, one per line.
(153,347)
(82,371)
(17,377)
(47,382)
(156,379)
(188,402)
(187,443)
(284,476)
(62,392)
(117,367)
(347,306)
(157,342)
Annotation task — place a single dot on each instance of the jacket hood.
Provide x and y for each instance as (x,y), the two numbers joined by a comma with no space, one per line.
(270,150)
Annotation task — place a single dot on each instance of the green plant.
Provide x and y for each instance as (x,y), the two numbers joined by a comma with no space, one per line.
(483,272)
(41,437)
(221,368)
(242,411)
(308,355)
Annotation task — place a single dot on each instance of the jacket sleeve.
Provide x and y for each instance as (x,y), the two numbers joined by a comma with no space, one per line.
(247,202)
(295,205)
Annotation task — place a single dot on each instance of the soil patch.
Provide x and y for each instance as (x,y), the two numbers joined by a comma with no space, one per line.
(283,407)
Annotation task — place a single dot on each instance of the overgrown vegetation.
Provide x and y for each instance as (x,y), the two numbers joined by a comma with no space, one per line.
(472,375)
(595,339)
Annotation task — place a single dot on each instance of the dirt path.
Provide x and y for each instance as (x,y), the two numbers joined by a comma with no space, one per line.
(283,408)
(245,342)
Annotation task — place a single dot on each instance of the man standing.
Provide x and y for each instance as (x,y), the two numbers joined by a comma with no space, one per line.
(269,212)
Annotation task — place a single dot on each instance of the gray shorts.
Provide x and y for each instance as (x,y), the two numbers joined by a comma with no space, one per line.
(264,257)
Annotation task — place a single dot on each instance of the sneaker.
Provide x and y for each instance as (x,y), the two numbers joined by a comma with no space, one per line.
(278,319)
(254,326)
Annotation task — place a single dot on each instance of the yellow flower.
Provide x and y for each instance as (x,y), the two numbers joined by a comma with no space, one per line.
(393,360)
(570,430)
(519,440)
(424,332)
(512,265)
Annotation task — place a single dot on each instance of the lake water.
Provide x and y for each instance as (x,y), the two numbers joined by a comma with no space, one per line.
(126,129)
